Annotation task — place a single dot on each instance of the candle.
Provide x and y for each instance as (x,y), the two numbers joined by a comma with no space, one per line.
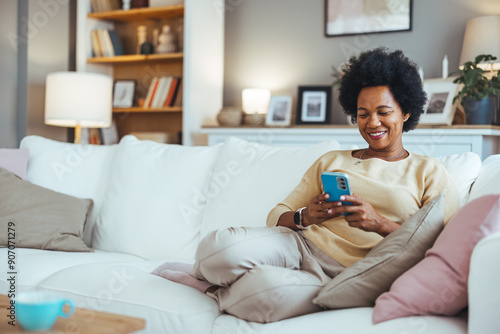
(445,66)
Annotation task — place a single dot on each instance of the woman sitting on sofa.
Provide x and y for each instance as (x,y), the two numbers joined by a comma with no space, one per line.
(272,273)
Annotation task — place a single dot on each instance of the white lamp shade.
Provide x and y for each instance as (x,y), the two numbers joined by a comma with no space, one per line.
(78,98)
(255,100)
(482,37)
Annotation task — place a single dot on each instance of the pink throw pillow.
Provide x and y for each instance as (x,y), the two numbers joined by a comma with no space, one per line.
(15,160)
(437,285)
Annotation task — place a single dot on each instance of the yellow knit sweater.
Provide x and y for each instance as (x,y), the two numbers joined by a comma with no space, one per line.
(396,190)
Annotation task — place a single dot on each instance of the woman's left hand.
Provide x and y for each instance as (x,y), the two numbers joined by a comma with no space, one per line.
(363,216)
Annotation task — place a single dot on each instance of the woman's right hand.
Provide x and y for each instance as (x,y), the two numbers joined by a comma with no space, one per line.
(319,210)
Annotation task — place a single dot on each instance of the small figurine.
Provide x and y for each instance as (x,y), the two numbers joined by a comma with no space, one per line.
(126,4)
(166,41)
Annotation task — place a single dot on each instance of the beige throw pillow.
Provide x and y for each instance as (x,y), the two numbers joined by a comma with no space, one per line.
(35,217)
(360,284)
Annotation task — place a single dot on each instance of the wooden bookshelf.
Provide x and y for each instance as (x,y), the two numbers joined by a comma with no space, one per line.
(138,14)
(135,58)
(142,68)
(201,72)
(147,110)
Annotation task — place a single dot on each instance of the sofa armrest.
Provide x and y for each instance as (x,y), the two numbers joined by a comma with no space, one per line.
(484,286)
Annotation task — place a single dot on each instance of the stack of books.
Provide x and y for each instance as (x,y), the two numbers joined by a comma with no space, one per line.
(105,5)
(164,92)
(106,43)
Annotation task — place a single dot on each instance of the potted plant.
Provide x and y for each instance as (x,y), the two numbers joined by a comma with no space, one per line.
(479,92)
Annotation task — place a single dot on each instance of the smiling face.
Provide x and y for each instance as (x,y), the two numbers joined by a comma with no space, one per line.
(380,121)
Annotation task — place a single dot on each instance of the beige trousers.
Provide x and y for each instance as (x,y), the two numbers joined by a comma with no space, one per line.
(266,274)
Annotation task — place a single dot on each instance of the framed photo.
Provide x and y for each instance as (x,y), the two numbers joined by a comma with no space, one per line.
(355,17)
(280,111)
(439,108)
(313,105)
(123,93)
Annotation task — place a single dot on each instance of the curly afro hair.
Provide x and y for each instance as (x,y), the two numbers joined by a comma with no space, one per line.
(380,67)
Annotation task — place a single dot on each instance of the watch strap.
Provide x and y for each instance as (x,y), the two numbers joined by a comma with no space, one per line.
(298,219)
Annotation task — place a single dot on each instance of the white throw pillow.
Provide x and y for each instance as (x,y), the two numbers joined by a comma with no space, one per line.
(488,182)
(464,168)
(249,179)
(76,170)
(151,208)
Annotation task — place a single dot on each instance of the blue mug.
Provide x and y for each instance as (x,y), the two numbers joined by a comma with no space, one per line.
(38,310)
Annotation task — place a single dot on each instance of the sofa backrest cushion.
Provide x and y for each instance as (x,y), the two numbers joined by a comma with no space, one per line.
(437,285)
(36,217)
(249,179)
(360,284)
(464,168)
(76,170)
(15,160)
(488,181)
(152,208)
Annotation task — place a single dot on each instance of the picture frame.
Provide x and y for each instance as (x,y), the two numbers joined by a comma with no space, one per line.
(123,93)
(439,109)
(343,18)
(313,105)
(280,111)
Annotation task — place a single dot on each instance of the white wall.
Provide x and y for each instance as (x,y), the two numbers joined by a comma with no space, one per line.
(45,30)
(48,51)
(8,74)
(280,44)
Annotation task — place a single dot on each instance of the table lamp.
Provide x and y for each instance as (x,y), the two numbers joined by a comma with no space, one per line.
(78,99)
(482,36)
(255,102)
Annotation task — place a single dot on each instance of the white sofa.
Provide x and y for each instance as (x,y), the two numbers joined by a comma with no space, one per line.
(154,202)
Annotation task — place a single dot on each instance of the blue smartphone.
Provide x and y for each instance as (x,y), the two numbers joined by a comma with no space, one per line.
(336,184)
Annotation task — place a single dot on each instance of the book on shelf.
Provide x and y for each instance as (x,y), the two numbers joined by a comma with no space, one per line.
(153,87)
(105,5)
(178,100)
(164,87)
(175,94)
(96,44)
(116,43)
(100,136)
(106,43)
(158,3)
(163,92)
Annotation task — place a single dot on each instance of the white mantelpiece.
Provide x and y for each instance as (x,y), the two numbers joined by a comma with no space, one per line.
(434,141)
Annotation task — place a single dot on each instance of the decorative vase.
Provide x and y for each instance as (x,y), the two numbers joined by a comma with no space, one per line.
(496,114)
(143,46)
(479,112)
(230,117)
(166,41)
(254,119)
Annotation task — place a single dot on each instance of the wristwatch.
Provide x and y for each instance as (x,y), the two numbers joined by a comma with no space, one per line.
(298,219)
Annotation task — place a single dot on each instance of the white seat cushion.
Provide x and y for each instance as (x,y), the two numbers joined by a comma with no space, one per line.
(35,265)
(345,321)
(131,289)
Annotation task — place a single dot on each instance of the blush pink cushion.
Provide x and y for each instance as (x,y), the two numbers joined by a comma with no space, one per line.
(15,160)
(437,285)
